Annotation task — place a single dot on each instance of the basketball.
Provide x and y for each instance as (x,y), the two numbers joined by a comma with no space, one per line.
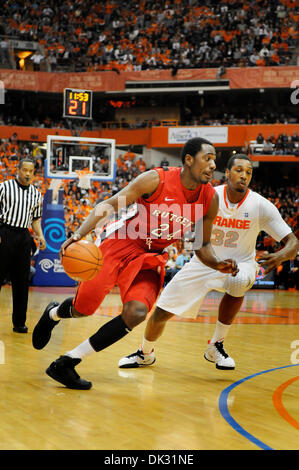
(82,260)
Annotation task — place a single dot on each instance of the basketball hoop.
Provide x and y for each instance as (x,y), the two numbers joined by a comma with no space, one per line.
(84,177)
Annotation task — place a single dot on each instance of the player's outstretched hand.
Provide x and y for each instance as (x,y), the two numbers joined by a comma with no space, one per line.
(228,266)
(269,261)
(74,238)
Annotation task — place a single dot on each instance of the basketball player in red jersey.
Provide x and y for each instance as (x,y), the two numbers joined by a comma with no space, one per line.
(168,202)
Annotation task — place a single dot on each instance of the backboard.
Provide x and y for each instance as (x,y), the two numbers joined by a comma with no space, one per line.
(67,155)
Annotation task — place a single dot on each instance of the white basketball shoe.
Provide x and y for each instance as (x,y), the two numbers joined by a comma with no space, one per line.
(137,359)
(215,353)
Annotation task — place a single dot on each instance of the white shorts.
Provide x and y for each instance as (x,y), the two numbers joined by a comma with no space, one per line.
(184,294)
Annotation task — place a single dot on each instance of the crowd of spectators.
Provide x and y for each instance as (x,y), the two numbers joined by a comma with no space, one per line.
(126,35)
(286,199)
(283,144)
(206,118)
(21,118)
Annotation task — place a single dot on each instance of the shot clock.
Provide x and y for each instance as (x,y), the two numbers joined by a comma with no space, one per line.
(77,103)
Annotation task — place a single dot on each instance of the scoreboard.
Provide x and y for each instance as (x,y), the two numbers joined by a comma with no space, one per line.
(77,103)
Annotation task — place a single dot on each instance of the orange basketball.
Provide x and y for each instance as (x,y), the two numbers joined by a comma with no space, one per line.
(82,260)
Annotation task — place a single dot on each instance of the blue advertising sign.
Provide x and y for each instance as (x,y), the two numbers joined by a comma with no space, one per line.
(49,271)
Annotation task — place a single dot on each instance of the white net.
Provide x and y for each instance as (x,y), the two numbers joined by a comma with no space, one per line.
(84,177)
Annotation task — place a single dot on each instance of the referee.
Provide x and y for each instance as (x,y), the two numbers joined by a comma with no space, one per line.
(20,207)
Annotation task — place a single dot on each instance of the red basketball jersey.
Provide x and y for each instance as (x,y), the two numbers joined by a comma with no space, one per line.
(166,215)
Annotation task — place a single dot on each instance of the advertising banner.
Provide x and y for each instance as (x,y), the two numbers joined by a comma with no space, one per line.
(180,135)
(239,78)
(49,271)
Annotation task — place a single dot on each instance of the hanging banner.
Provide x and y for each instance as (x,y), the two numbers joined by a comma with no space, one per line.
(239,78)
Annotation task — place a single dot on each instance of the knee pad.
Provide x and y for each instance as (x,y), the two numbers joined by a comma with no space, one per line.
(236,286)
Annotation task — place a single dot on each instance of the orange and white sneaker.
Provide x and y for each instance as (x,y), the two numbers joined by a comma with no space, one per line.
(215,353)
(137,359)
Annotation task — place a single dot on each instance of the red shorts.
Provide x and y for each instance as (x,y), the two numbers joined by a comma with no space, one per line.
(139,275)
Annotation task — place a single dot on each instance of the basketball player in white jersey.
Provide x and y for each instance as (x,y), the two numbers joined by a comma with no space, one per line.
(242,215)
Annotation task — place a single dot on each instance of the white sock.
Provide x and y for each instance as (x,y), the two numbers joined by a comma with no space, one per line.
(84,349)
(53,313)
(147,346)
(220,332)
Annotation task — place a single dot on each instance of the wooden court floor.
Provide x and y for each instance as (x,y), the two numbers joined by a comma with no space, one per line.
(182,402)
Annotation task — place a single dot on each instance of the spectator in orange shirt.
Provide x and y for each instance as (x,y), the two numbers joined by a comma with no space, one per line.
(129,155)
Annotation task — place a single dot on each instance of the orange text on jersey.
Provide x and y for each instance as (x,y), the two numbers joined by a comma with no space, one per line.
(232,223)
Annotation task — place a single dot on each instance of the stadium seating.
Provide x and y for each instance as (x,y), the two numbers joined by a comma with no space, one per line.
(147,35)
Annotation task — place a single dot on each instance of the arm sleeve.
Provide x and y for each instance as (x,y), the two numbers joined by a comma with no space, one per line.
(272,222)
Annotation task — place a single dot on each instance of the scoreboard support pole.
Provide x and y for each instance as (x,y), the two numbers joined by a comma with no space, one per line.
(76,132)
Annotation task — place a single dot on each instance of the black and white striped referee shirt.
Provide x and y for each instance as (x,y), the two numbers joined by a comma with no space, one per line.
(19,204)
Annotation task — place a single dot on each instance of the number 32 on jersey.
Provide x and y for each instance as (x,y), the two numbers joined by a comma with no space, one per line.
(228,239)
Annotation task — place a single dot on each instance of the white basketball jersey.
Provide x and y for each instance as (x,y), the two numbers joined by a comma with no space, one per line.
(236,227)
